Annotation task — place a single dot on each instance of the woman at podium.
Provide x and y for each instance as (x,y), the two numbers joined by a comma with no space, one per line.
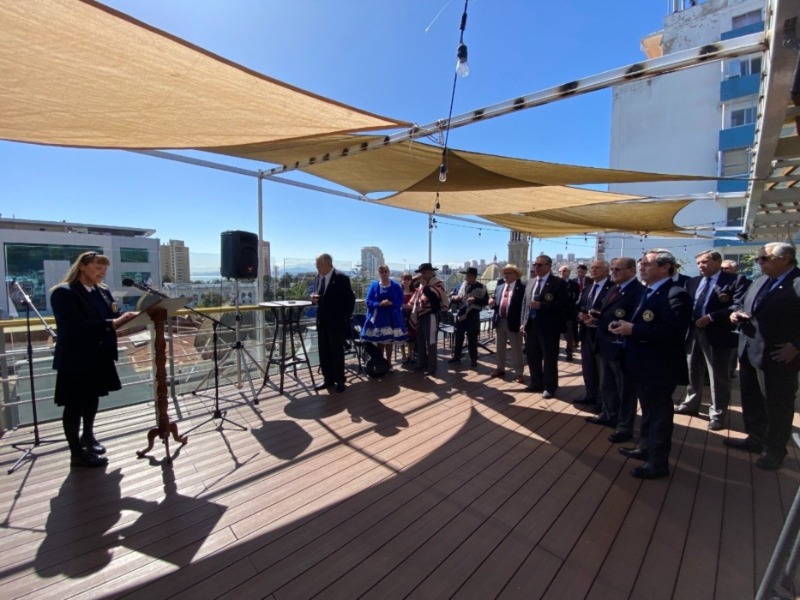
(87,318)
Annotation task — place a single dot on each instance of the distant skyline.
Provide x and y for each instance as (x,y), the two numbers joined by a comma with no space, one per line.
(393,59)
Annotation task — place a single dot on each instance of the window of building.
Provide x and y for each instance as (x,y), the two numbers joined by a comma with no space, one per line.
(754,16)
(134,255)
(743,66)
(734,162)
(735,217)
(743,116)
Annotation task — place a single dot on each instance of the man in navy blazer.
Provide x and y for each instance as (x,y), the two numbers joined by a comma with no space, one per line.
(544,318)
(335,303)
(769,354)
(507,304)
(712,339)
(591,299)
(618,387)
(655,357)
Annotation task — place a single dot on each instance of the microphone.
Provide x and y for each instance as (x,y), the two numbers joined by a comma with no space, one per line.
(127,282)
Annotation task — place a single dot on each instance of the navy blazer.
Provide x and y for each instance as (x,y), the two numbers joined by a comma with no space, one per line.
(514,305)
(556,307)
(655,353)
(776,319)
(583,306)
(727,293)
(85,333)
(621,307)
(337,304)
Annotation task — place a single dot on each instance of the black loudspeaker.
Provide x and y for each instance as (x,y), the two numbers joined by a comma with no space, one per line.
(239,255)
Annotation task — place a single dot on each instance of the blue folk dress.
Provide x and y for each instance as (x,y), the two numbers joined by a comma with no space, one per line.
(384,324)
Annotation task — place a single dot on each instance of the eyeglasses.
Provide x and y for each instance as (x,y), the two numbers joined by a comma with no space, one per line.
(540,265)
(617,269)
(764,258)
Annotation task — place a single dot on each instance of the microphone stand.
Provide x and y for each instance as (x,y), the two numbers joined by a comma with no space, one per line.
(217,414)
(28,452)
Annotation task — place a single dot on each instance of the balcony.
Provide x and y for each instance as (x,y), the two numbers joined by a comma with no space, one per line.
(405,486)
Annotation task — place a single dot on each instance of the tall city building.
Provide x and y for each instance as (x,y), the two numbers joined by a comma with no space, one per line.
(518,250)
(699,121)
(265,249)
(371,259)
(175,261)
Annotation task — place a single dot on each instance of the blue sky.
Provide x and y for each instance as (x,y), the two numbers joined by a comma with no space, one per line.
(391,58)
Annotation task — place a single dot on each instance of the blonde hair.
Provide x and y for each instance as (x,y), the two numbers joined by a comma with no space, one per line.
(74,272)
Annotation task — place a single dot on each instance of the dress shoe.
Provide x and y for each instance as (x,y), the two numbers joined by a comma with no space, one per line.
(601,421)
(340,387)
(430,372)
(498,373)
(685,410)
(568,358)
(619,436)
(650,471)
(474,364)
(715,425)
(585,400)
(535,389)
(748,444)
(322,386)
(454,360)
(520,379)
(548,395)
(93,446)
(87,459)
(769,462)
(635,453)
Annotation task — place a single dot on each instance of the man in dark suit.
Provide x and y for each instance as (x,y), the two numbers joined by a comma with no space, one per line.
(335,303)
(544,310)
(591,300)
(574,292)
(618,390)
(507,304)
(769,354)
(731,266)
(655,357)
(712,338)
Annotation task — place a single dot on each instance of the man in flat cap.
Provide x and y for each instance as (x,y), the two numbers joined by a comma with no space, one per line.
(469,299)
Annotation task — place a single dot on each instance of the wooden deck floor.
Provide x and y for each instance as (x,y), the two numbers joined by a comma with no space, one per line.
(458,486)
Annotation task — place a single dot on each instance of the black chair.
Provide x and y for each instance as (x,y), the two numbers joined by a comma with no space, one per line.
(447,327)
(354,345)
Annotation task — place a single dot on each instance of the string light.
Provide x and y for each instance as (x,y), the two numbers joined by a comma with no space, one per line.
(462,67)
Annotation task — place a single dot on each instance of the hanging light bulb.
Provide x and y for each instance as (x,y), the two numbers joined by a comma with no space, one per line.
(443,173)
(462,67)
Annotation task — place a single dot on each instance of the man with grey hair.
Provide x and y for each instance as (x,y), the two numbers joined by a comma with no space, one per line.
(335,303)
(769,355)
(589,304)
(655,357)
(711,339)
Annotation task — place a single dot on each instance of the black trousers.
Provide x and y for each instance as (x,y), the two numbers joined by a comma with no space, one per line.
(471,328)
(768,403)
(331,338)
(542,351)
(657,414)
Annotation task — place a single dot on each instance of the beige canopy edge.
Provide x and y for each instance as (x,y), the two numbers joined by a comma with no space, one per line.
(396,167)
(639,217)
(78,73)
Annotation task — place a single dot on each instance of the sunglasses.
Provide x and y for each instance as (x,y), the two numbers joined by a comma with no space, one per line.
(88,257)
(764,258)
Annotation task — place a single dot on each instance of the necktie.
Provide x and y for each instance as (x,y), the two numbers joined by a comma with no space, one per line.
(765,289)
(504,301)
(581,283)
(537,289)
(700,303)
(593,294)
(613,295)
(322,287)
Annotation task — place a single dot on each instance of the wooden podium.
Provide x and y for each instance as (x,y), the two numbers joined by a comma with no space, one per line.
(156,309)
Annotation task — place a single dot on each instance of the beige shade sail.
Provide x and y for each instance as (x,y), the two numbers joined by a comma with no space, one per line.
(653,218)
(77,73)
(396,167)
(500,202)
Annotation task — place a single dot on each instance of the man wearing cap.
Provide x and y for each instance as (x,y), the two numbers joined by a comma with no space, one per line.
(335,303)
(426,304)
(507,304)
(545,307)
(469,299)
